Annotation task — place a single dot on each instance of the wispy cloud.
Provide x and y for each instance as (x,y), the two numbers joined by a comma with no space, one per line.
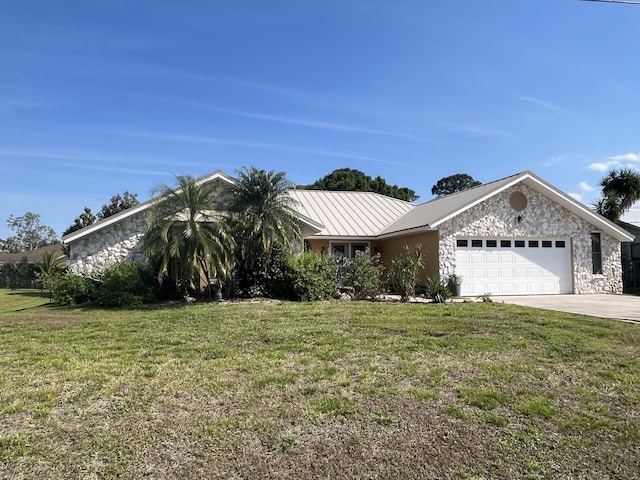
(553,108)
(176,137)
(576,196)
(542,103)
(104,161)
(468,130)
(585,187)
(549,162)
(314,123)
(629,160)
(623,88)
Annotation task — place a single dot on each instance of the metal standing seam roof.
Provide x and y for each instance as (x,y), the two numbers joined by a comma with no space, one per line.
(349,214)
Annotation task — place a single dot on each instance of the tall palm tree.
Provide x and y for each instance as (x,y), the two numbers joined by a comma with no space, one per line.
(620,190)
(263,214)
(186,236)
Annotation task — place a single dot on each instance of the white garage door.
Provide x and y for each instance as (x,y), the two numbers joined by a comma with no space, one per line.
(532,266)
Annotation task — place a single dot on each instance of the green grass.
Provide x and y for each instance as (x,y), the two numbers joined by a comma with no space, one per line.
(315,390)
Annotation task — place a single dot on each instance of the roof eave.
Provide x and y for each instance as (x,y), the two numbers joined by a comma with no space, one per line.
(406,231)
(78,234)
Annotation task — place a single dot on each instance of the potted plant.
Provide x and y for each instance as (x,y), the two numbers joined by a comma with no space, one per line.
(453,282)
(216,286)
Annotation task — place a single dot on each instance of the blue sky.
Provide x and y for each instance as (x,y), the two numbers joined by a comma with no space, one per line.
(98,97)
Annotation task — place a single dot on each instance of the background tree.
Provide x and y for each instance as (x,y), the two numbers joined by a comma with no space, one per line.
(453,183)
(262,215)
(85,219)
(29,233)
(117,204)
(186,237)
(620,190)
(347,179)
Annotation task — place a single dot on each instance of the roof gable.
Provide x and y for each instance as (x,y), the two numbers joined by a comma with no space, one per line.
(218,175)
(429,215)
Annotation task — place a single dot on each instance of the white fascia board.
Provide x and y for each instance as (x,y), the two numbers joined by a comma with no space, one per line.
(138,208)
(408,231)
(340,239)
(108,221)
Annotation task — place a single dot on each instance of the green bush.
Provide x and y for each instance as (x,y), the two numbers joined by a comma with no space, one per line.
(310,276)
(437,290)
(403,273)
(70,289)
(364,274)
(126,284)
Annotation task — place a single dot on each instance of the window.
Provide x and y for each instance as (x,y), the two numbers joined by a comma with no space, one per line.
(560,244)
(338,249)
(357,247)
(476,243)
(348,249)
(519,243)
(505,243)
(547,243)
(462,243)
(534,243)
(492,243)
(596,253)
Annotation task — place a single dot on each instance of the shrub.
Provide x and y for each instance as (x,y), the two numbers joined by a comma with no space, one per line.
(310,276)
(436,290)
(364,274)
(126,284)
(70,289)
(403,272)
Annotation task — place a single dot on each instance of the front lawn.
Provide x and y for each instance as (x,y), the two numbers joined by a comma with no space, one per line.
(316,390)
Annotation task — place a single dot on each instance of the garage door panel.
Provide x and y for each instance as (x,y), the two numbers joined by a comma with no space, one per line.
(514,270)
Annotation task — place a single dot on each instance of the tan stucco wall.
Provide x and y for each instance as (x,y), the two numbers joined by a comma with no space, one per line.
(394,247)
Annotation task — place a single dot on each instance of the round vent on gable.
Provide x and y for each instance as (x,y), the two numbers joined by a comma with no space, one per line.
(518,201)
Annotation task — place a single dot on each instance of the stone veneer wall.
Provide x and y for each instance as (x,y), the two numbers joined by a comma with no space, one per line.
(113,244)
(541,218)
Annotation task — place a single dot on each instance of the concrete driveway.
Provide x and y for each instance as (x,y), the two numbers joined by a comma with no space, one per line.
(621,307)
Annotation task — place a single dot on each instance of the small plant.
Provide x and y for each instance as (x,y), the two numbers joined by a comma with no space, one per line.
(436,290)
(403,273)
(364,274)
(453,283)
(485,297)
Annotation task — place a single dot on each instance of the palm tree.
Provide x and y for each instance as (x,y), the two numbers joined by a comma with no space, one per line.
(186,237)
(50,266)
(620,190)
(262,213)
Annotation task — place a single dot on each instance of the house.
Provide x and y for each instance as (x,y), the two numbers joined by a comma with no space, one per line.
(32,256)
(630,221)
(514,236)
